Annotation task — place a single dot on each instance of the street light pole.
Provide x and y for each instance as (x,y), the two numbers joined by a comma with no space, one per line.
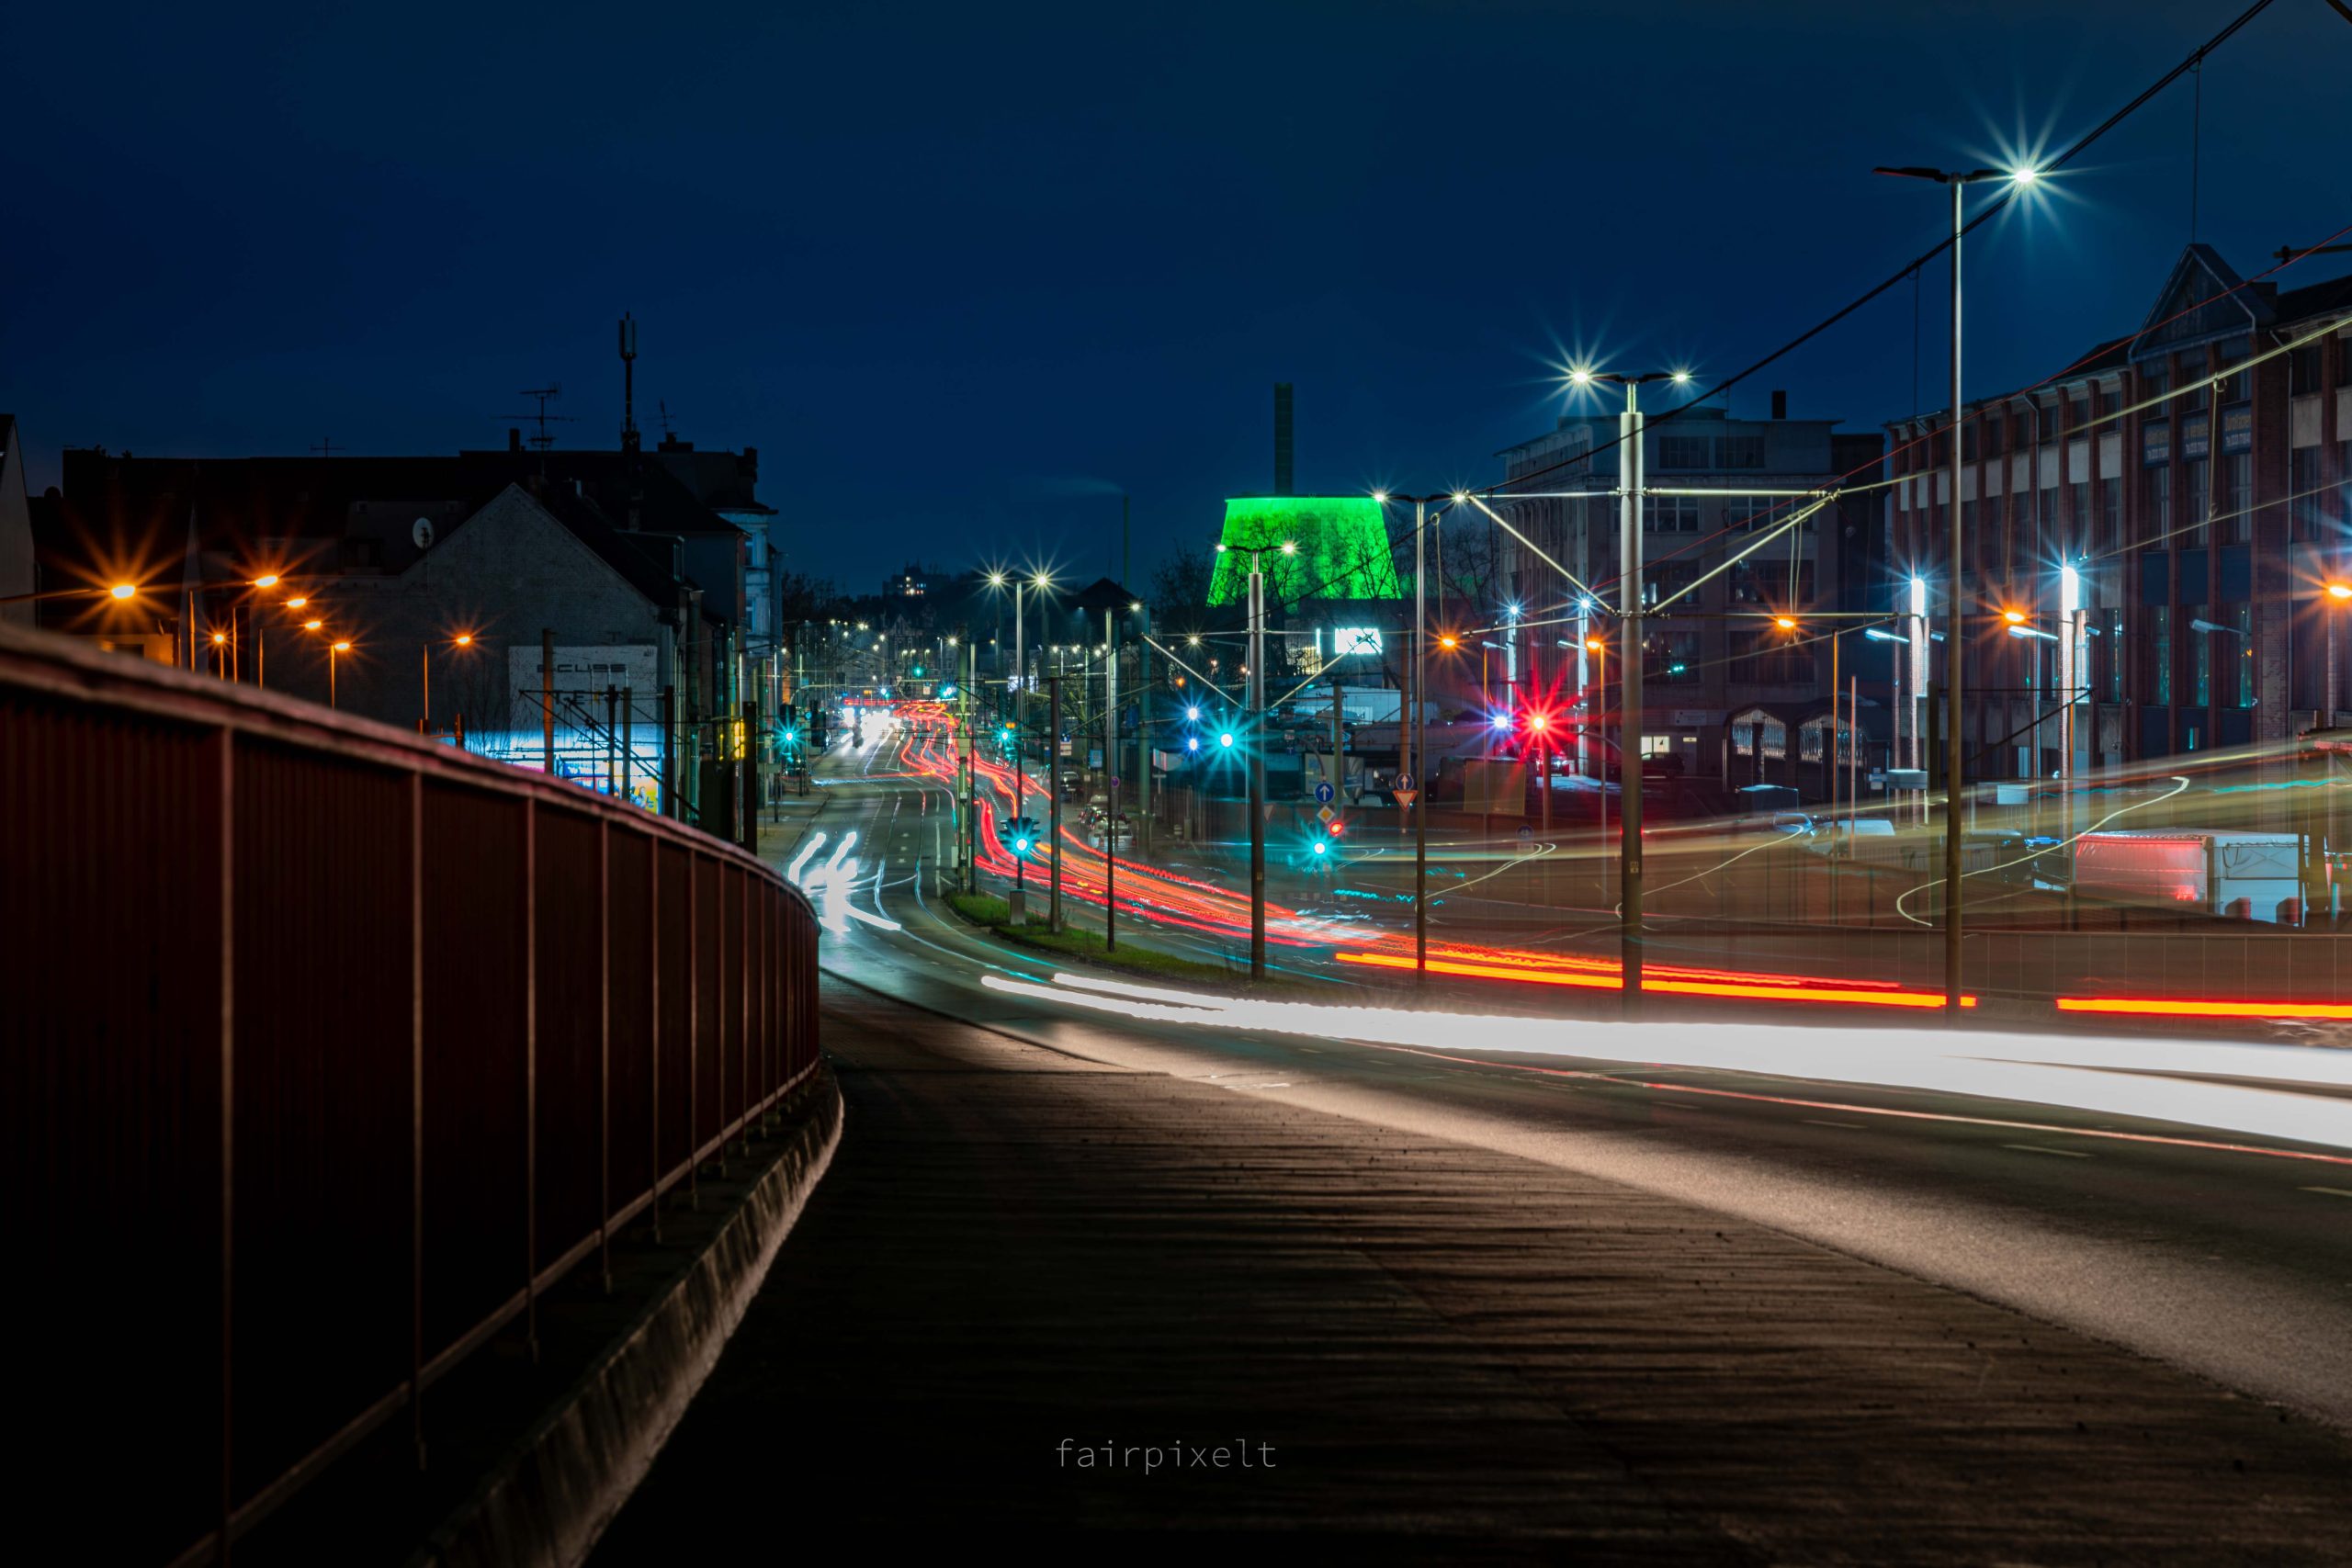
(1257,768)
(1955,750)
(1629,687)
(1420,747)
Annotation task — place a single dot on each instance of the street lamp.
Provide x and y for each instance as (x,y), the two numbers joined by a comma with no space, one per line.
(1954,752)
(1629,672)
(1257,694)
(334,648)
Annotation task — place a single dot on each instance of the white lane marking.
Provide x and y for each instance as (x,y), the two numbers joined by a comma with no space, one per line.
(2037,1149)
(2331,1191)
(1818,1122)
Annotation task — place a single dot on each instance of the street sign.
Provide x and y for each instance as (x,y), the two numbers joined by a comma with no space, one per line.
(1404,782)
(1526,832)
(1115,781)
(1407,796)
(1323,793)
(1326,813)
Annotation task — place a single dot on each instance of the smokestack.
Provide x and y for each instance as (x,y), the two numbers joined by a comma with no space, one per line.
(1282,438)
(629,383)
(1779,405)
(514,439)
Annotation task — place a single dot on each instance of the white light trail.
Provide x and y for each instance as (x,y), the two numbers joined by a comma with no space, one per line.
(2111,1077)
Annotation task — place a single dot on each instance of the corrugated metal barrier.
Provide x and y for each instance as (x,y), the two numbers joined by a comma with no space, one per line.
(327,1052)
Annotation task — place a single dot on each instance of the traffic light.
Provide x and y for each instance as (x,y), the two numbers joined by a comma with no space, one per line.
(1020,837)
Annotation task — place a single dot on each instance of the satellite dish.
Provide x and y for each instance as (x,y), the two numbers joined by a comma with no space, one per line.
(422,532)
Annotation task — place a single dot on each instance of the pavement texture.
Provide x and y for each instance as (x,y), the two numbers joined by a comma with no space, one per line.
(1427,1349)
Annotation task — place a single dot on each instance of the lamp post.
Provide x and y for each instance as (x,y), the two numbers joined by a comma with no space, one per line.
(1257,758)
(1629,676)
(1955,754)
(340,646)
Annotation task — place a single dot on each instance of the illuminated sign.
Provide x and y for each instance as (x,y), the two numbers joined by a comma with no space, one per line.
(1346,640)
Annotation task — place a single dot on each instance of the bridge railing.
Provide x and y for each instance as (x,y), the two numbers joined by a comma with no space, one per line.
(324,1053)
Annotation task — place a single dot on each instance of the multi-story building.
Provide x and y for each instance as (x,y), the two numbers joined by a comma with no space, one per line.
(1716,666)
(2149,535)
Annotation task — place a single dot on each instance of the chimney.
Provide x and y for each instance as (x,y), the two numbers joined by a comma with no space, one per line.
(1779,405)
(514,439)
(1282,438)
(749,466)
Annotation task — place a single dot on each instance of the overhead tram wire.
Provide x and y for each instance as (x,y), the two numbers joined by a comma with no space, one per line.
(1990,209)
(1838,486)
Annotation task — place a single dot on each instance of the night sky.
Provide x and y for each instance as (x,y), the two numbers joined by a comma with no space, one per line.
(963,274)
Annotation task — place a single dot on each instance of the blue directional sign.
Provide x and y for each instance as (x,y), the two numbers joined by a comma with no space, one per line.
(1323,793)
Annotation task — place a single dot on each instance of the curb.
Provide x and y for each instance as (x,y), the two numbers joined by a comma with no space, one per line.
(550,1498)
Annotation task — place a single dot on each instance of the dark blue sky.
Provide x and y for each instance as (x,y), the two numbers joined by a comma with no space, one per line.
(964,273)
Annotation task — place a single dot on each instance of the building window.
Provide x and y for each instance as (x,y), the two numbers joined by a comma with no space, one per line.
(2303,492)
(2079,410)
(2303,370)
(2113,653)
(2242,618)
(1670,514)
(2201,659)
(2159,680)
(2159,516)
(1684,451)
(2197,482)
(2110,516)
(2110,400)
(1672,658)
(2237,500)
(1742,452)
(2078,525)
(2155,380)
(1666,579)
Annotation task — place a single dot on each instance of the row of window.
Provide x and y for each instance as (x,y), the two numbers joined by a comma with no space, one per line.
(2192,513)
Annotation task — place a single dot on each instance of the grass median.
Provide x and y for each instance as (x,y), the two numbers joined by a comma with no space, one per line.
(1085,946)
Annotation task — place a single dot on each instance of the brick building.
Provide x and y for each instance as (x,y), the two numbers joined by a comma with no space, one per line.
(1723,667)
(2191,482)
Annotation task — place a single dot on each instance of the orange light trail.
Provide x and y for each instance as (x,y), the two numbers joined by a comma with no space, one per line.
(2179,1006)
(1611,981)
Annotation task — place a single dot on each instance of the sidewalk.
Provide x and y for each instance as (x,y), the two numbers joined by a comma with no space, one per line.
(1019,1255)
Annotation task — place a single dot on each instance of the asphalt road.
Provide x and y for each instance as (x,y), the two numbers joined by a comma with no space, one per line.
(1455,1306)
(2234,1265)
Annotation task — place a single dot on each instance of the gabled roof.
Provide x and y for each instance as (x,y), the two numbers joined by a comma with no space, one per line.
(2204,299)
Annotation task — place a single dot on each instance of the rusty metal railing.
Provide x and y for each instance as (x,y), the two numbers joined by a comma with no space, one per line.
(325,1051)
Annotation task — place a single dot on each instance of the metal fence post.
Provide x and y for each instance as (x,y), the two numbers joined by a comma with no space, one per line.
(416,1114)
(531,1074)
(605,1050)
(224,741)
(693,1040)
(653,1024)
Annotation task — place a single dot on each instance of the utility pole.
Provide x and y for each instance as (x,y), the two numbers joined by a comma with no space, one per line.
(1257,768)
(1420,748)
(1054,809)
(1111,794)
(546,699)
(1955,748)
(1629,687)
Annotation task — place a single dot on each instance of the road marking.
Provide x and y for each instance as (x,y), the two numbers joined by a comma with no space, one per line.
(1817,1121)
(2331,1191)
(2037,1149)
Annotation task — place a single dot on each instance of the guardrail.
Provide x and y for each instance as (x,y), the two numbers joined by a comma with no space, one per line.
(326,1052)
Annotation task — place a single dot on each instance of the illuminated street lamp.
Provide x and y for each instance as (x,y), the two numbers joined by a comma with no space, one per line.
(1955,754)
(338,646)
(1629,676)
